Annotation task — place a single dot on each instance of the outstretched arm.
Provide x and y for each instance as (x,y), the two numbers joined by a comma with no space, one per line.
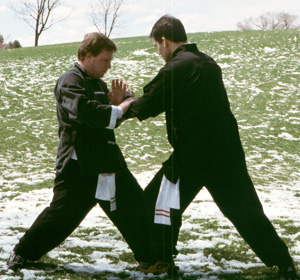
(157,96)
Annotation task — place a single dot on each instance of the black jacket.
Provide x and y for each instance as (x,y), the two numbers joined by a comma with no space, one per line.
(83,113)
(200,125)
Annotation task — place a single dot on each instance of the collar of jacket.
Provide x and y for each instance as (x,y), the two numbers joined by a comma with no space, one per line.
(84,73)
(186,47)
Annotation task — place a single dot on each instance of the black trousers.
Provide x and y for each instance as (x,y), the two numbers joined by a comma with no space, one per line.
(74,197)
(238,202)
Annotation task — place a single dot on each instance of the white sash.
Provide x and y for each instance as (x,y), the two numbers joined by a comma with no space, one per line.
(106,189)
(168,197)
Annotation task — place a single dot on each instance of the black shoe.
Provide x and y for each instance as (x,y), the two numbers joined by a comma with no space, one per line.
(16,262)
(288,272)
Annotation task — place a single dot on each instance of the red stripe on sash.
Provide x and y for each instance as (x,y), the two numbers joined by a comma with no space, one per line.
(158,214)
(163,211)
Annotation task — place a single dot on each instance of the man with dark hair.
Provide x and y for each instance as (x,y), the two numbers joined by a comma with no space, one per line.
(90,167)
(170,28)
(207,152)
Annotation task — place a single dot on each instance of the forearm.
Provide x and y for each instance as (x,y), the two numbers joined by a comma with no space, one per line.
(144,107)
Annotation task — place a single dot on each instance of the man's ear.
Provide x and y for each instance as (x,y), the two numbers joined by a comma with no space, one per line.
(88,56)
(165,41)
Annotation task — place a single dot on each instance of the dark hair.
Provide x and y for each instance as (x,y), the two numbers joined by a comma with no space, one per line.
(94,43)
(169,27)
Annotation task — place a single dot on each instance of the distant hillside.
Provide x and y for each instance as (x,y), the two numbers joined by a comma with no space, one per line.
(261,74)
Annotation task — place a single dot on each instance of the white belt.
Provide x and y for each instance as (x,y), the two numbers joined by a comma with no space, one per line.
(168,197)
(106,189)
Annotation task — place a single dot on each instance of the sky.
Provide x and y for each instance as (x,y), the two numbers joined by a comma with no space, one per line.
(196,15)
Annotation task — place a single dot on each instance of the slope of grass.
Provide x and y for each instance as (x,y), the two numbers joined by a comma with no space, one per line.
(261,72)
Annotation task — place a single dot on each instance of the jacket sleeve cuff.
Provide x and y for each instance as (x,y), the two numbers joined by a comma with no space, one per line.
(116,113)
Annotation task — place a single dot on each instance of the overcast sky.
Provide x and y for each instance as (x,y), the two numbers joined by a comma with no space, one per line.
(196,15)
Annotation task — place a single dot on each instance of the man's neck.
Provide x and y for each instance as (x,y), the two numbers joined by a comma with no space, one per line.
(84,67)
(175,46)
(81,64)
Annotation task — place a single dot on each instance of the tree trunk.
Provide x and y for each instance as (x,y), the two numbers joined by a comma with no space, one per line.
(36,39)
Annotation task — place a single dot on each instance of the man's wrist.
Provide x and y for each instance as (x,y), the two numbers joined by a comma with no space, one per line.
(119,112)
(116,113)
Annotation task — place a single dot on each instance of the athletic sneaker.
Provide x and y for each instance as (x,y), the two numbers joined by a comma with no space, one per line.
(288,272)
(158,268)
(16,262)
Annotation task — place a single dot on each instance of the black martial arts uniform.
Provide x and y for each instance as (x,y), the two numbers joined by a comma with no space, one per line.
(207,152)
(86,149)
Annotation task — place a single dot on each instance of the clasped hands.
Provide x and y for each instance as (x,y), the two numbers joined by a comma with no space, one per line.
(120,95)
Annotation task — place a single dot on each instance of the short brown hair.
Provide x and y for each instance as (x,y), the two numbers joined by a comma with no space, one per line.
(94,43)
(169,27)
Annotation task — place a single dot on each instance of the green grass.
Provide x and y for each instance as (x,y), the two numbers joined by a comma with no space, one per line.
(186,236)
(237,250)
(206,224)
(288,226)
(262,87)
(261,74)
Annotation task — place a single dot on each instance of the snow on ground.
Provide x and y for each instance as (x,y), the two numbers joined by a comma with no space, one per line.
(21,211)
(261,75)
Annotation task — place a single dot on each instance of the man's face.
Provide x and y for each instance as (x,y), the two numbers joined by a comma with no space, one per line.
(163,50)
(98,65)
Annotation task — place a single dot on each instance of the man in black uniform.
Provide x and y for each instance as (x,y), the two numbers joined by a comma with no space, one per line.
(207,152)
(90,166)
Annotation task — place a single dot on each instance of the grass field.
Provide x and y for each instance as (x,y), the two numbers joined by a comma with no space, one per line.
(261,71)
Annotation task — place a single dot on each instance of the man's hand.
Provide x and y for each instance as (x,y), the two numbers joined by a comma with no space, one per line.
(126,103)
(119,90)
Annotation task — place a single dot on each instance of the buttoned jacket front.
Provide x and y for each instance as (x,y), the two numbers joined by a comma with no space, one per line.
(84,113)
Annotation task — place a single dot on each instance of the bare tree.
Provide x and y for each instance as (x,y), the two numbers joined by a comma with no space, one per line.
(269,21)
(105,14)
(246,24)
(274,21)
(287,20)
(261,22)
(37,14)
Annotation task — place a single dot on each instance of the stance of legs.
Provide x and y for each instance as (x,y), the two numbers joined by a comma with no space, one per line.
(72,200)
(239,202)
(74,197)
